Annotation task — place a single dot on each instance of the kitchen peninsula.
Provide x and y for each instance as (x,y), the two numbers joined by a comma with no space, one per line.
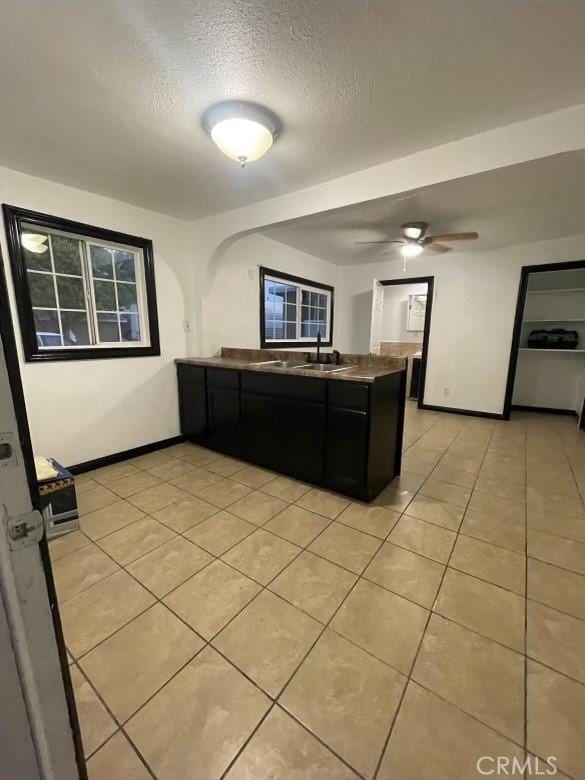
(336,425)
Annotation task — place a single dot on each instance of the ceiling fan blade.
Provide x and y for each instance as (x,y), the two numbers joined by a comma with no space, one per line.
(470,236)
(438,247)
(389,241)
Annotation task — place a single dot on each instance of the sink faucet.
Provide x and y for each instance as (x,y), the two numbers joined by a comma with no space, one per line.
(318,346)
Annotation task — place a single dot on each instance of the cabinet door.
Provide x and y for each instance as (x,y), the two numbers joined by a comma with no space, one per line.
(224,419)
(192,401)
(260,434)
(302,439)
(346,451)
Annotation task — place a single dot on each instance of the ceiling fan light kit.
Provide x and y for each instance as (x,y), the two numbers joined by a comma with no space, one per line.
(415,240)
(242,131)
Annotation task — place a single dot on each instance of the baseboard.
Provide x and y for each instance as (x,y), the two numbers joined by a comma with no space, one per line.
(544,410)
(467,412)
(108,460)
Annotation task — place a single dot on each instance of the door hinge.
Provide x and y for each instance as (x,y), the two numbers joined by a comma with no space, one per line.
(24,530)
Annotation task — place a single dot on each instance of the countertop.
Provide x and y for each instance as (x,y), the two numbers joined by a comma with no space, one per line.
(364,368)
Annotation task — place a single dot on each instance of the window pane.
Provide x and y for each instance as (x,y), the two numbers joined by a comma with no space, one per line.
(124,263)
(291,330)
(305,315)
(127,300)
(322,315)
(66,255)
(105,296)
(278,330)
(36,261)
(75,329)
(42,290)
(306,298)
(108,327)
(322,301)
(101,262)
(47,328)
(291,295)
(290,312)
(314,299)
(70,291)
(130,327)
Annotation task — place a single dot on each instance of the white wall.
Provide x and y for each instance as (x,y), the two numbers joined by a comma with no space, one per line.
(231,307)
(472,316)
(80,410)
(395,312)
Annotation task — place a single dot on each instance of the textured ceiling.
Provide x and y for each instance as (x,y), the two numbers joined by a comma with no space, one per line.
(108,95)
(534,201)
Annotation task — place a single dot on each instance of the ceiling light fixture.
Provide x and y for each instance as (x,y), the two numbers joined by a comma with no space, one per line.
(34,242)
(413,229)
(242,131)
(411,249)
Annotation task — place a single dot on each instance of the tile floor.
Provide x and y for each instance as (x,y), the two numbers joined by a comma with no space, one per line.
(223,621)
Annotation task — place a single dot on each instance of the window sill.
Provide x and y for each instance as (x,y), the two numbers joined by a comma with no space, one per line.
(296,344)
(105,353)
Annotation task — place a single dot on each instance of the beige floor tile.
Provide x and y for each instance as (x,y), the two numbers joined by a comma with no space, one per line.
(94,498)
(220,532)
(556,587)
(108,474)
(556,718)
(548,484)
(566,505)
(494,475)
(375,520)
(394,498)
(67,543)
(169,565)
(297,525)
(497,461)
(96,723)
(455,476)
(171,469)
(446,491)
(387,625)
(285,488)
(345,546)
(406,573)
(224,493)
(157,497)
(93,615)
(432,740)
(475,674)
(509,533)
(556,639)
(210,599)
(84,482)
(225,467)
(553,549)
(133,483)
(268,640)
(110,518)
(407,481)
(261,556)
(499,508)
(117,758)
(219,709)
(495,564)
(283,750)
(323,503)
(186,513)
(426,454)
(196,480)
(347,698)
(130,666)
(314,585)
(199,456)
(135,540)
(254,477)
(81,569)
(494,612)
(437,512)
(414,466)
(424,538)
(151,459)
(257,507)
(550,521)
(454,460)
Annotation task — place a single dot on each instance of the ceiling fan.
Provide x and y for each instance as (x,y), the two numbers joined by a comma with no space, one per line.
(415,239)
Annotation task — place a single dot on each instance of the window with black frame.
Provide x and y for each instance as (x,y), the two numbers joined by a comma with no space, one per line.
(294,311)
(81,291)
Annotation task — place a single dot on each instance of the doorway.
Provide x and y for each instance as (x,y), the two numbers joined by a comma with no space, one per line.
(401,325)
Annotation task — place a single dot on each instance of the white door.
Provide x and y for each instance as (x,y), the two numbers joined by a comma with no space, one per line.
(377,317)
(36,736)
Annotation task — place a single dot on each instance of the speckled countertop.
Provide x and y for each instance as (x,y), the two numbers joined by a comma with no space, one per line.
(356,368)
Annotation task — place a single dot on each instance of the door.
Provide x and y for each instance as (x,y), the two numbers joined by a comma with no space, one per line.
(38,720)
(377,317)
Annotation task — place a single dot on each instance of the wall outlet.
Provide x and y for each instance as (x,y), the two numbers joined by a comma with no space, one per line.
(446,391)
(186,326)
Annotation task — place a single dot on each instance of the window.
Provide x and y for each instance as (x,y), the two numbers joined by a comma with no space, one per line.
(81,291)
(294,311)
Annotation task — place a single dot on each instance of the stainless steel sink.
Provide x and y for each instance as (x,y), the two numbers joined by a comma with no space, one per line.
(324,367)
(281,363)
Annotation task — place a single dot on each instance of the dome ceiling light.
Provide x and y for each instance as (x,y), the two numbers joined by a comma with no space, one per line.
(242,131)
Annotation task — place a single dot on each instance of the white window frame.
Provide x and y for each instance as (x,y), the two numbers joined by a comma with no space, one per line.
(301,286)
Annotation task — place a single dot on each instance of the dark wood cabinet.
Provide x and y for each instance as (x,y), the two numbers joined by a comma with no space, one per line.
(343,435)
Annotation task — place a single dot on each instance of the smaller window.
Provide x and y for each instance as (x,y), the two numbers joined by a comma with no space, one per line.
(294,311)
(81,291)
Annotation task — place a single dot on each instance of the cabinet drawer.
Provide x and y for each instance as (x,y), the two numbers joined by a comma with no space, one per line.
(223,377)
(349,395)
(192,374)
(296,388)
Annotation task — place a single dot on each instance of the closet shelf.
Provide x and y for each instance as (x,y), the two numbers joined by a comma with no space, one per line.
(562,290)
(556,351)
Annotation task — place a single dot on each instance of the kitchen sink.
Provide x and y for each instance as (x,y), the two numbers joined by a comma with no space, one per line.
(281,363)
(327,368)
